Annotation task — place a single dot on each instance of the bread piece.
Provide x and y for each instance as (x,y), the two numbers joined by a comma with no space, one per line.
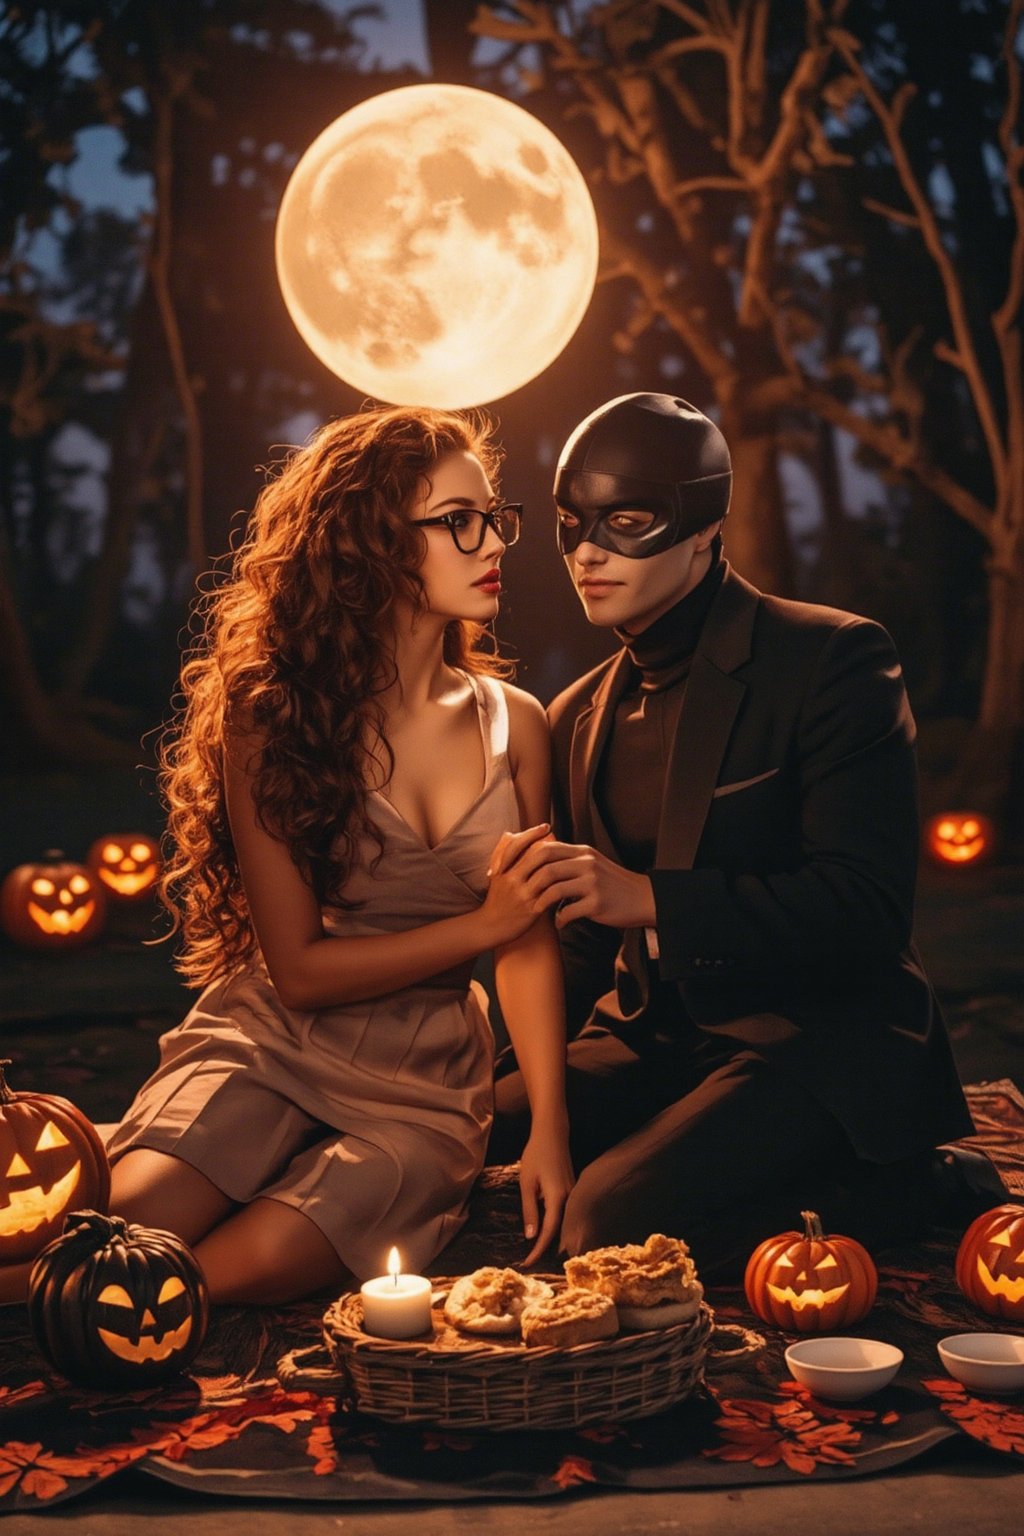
(653,1284)
(567,1318)
(490,1300)
(664,1314)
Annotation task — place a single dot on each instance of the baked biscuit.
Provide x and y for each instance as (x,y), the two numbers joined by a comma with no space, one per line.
(569,1317)
(653,1284)
(490,1300)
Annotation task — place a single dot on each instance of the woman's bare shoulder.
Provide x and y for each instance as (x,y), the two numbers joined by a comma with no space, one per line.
(524,708)
(528,734)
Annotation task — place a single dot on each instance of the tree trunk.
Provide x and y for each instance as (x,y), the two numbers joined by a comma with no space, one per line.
(756,539)
(992,773)
(38,727)
(134,448)
(450,43)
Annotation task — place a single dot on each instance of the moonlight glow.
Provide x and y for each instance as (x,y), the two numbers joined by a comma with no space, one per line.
(436,245)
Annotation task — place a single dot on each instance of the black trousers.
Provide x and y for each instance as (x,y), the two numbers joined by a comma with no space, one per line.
(711,1144)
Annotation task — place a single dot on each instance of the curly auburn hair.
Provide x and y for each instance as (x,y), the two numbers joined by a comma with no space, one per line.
(295,651)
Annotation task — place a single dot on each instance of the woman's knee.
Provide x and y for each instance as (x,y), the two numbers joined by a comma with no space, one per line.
(267,1254)
(159,1190)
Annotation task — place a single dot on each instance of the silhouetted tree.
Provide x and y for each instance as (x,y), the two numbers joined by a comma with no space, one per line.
(760,141)
(165,341)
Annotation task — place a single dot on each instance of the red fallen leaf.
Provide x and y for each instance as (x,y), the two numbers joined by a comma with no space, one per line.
(42,1484)
(767,1433)
(40,1473)
(320,1446)
(821,1409)
(943,1387)
(994,1422)
(572,1470)
(744,1407)
(798,1461)
(9,1396)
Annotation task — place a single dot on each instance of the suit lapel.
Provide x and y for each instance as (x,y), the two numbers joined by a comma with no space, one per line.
(710,706)
(590,733)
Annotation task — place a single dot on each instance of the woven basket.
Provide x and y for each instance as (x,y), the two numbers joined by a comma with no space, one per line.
(456,1381)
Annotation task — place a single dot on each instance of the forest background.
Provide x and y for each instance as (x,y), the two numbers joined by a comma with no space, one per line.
(812,226)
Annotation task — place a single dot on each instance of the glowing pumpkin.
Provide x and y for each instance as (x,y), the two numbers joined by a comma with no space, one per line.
(809,1283)
(990,1262)
(960,837)
(117,1305)
(52,904)
(127,863)
(51,1161)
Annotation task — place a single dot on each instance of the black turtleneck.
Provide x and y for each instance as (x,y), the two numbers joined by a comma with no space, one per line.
(630,779)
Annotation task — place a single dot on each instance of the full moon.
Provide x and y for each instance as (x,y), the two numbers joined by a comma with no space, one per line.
(436,245)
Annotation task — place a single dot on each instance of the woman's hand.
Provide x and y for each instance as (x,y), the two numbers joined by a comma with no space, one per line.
(581,882)
(510,907)
(545,1179)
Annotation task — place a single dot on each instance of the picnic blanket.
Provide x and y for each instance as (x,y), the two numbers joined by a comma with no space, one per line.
(230,1428)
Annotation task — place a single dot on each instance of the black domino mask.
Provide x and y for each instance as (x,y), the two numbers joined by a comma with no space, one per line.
(648,453)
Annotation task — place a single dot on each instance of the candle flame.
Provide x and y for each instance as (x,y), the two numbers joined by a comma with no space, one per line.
(394,1264)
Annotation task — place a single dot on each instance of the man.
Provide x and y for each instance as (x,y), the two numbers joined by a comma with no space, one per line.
(733,863)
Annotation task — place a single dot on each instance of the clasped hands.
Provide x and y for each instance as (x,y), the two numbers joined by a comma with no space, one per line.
(532,871)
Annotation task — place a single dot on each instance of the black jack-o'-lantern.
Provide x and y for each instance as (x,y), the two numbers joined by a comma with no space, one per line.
(51,904)
(128,864)
(112,1304)
(51,1160)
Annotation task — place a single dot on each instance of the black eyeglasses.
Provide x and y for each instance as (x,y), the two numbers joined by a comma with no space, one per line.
(468,525)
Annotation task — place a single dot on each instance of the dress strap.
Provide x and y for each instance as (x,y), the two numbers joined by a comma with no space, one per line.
(493,711)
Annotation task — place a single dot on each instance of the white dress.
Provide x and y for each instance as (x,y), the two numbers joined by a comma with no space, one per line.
(371,1118)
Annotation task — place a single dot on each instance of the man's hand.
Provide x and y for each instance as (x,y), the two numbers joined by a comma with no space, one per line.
(581,882)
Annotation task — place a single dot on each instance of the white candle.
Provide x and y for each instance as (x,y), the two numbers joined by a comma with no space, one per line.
(396,1306)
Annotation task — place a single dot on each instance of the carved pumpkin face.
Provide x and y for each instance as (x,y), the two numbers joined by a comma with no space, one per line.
(810,1283)
(959,837)
(54,904)
(117,1305)
(143,1328)
(51,1160)
(801,1284)
(990,1262)
(127,863)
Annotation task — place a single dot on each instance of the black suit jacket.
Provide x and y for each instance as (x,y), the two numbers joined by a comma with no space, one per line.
(785,866)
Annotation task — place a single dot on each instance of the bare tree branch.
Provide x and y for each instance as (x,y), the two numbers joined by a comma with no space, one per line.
(159,264)
(902,454)
(1006,320)
(889,119)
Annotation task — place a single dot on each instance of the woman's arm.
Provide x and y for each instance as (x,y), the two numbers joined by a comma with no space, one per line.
(311,969)
(529,982)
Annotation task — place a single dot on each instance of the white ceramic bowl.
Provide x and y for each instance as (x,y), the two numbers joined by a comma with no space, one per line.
(986,1362)
(843,1369)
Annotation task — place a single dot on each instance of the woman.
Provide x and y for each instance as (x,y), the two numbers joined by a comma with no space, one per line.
(346,764)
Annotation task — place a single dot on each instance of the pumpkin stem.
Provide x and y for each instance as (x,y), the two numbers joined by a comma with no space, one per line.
(6,1096)
(813,1232)
(95,1223)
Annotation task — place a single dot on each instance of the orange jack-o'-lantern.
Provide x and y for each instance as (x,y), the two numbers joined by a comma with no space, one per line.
(960,837)
(53,904)
(51,1160)
(114,1304)
(127,863)
(809,1283)
(990,1262)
